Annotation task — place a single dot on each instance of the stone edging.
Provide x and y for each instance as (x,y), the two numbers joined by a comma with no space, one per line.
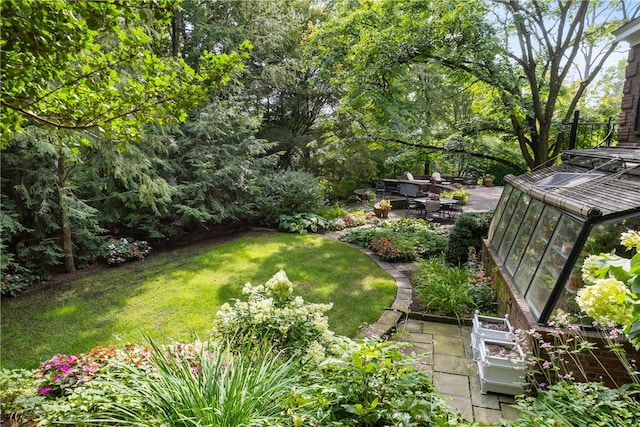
(400,307)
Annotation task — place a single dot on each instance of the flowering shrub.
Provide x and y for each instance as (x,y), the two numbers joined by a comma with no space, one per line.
(482,292)
(613,288)
(394,249)
(122,250)
(273,314)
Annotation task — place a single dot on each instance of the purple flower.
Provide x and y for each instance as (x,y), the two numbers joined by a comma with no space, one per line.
(44,390)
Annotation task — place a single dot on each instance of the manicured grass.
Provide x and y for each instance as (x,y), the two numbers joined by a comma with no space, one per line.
(175,295)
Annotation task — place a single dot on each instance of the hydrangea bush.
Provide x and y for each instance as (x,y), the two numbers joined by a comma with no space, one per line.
(613,288)
(272,313)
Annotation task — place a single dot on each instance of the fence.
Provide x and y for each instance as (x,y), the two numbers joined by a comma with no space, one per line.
(588,134)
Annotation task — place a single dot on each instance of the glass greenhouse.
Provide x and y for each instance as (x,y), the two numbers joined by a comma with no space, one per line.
(549,220)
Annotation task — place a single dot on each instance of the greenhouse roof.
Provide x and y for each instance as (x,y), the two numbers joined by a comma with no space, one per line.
(595,183)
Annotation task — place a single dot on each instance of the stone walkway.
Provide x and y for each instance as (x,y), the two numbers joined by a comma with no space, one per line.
(444,348)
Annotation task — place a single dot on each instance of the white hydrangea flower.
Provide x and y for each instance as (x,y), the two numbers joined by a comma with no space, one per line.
(607,300)
(630,239)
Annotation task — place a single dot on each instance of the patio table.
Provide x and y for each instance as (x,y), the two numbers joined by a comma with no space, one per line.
(446,204)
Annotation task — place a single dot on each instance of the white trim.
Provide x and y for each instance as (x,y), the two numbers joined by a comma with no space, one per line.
(629,32)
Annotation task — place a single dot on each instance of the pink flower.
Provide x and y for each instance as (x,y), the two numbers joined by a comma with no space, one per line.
(44,390)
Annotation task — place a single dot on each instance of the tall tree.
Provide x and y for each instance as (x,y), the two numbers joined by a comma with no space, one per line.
(529,52)
(275,84)
(88,67)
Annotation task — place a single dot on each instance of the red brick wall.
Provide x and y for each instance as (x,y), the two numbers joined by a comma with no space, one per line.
(627,134)
(511,302)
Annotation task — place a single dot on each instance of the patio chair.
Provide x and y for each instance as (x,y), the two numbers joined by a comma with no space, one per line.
(432,206)
(381,189)
(453,208)
(412,205)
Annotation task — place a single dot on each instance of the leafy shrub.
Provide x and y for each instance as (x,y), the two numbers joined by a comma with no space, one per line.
(467,232)
(14,283)
(460,194)
(302,223)
(122,250)
(287,193)
(16,386)
(15,277)
(332,212)
(274,315)
(443,289)
(373,383)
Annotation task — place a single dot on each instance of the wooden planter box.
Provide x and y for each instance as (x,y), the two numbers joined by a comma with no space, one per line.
(501,372)
(492,328)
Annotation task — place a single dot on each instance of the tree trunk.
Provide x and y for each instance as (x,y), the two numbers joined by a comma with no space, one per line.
(65,224)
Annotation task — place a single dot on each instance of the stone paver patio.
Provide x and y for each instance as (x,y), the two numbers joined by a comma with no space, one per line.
(443,349)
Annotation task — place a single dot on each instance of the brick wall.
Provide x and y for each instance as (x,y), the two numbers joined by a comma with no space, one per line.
(628,135)
(512,303)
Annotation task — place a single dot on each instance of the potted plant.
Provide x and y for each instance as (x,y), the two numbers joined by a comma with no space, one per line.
(385,207)
(488,180)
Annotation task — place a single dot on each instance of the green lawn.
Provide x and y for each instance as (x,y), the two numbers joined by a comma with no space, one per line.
(174,295)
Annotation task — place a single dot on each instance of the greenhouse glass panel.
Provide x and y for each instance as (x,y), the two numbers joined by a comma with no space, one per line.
(524,235)
(536,247)
(497,216)
(553,261)
(603,238)
(510,206)
(514,226)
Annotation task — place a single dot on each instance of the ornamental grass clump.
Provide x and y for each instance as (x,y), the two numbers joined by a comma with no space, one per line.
(219,384)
